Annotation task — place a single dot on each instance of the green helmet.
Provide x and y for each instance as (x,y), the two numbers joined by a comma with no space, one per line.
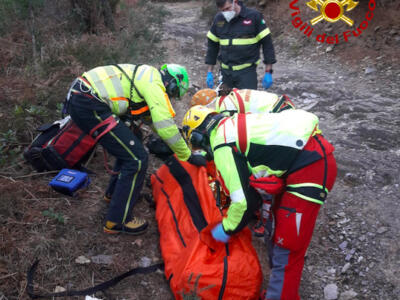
(181,77)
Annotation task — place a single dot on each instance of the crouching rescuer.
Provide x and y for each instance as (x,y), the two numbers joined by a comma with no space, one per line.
(283,154)
(142,92)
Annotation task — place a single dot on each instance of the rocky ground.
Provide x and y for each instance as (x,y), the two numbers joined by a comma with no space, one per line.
(354,254)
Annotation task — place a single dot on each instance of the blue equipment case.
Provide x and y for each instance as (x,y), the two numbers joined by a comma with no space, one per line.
(69,181)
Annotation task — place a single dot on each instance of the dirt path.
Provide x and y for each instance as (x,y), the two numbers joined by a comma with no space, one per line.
(355,246)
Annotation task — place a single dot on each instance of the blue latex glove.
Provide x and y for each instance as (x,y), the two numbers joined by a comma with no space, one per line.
(219,234)
(267,80)
(210,80)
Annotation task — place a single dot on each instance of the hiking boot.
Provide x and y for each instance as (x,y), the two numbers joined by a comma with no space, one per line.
(258,229)
(136,226)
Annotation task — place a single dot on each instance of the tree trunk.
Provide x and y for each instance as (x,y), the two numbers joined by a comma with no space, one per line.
(113,4)
(32,28)
(107,13)
(90,12)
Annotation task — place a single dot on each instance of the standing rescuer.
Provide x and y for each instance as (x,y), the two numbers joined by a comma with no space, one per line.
(235,37)
(143,92)
(283,154)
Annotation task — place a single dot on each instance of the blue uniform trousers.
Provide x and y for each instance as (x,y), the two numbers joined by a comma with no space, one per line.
(242,79)
(131,157)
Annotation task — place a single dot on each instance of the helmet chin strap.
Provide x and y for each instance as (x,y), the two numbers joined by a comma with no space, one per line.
(213,122)
(163,74)
(170,84)
(204,131)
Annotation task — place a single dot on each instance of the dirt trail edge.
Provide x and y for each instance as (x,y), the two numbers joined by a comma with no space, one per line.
(355,248)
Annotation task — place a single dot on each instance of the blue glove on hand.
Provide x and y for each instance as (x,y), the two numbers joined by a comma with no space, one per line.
(210,80)
(219,234)
(267,80)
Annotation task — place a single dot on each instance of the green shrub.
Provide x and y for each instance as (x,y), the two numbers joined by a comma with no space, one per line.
(142,34)
(137,40)
(52,51)
(8,147)
(51,214)
(11,11)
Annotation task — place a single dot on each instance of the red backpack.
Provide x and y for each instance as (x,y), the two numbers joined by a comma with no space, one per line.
(63,144)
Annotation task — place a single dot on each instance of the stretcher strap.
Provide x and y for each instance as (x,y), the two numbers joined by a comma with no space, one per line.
(89,291)
(110,122)
(242,133)
(190,196)
(240,101)
(221,99)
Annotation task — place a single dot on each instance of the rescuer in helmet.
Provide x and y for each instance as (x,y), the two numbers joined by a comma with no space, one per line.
(142,92)
(282,154)
(242,101)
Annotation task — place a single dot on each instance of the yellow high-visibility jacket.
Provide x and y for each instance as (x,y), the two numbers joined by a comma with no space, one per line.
(273,144)
(114,88)
(252,101)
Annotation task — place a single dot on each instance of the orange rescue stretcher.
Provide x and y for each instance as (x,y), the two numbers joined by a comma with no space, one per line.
(196,264)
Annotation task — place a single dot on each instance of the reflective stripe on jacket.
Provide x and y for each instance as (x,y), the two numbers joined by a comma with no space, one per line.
(252,101)
(273,144)
(113,88)
(238,41)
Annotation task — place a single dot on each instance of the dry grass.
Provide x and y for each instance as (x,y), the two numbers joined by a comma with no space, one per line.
(40,57)
(27,234)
